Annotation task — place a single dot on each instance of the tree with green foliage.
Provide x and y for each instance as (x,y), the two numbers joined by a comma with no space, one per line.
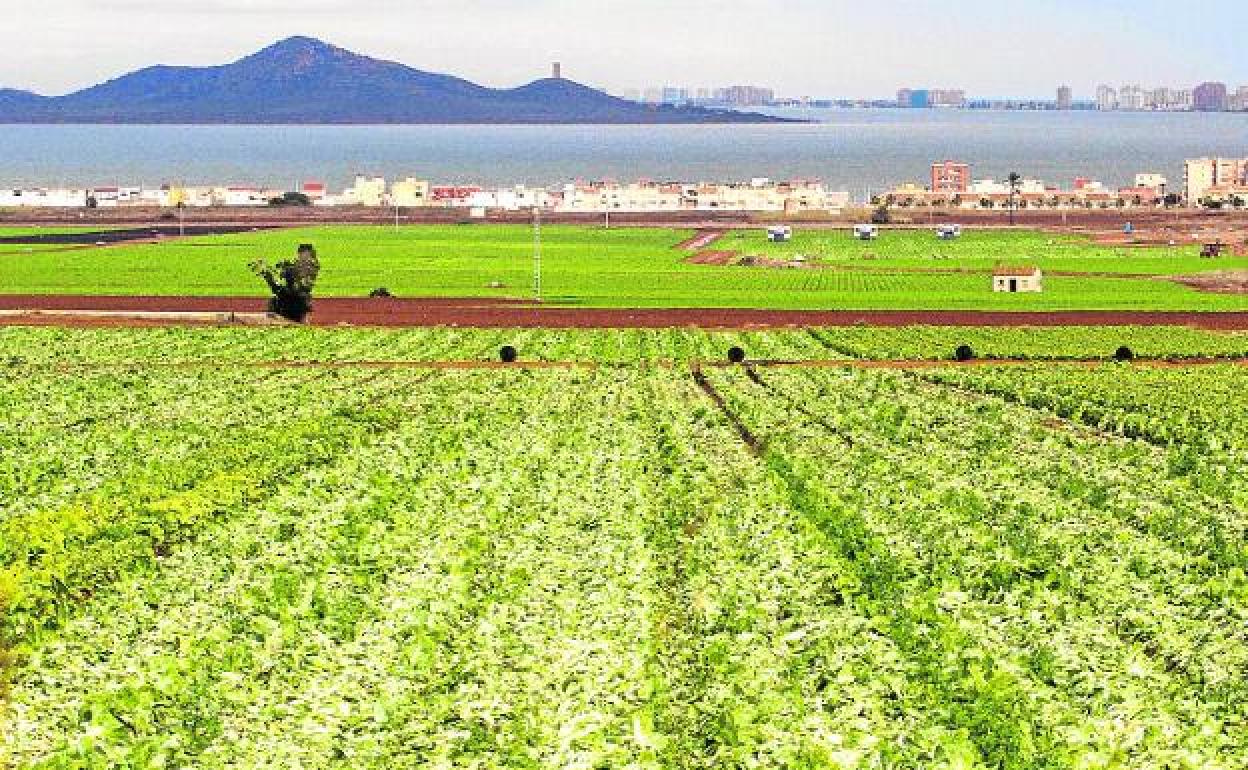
(291,283)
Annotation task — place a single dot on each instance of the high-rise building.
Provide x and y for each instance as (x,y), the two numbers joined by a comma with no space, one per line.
(746,96)
(1209,97)
(1202,174)
(1239,100)
(921,98)
(1106,98)
(950,176)
(947,97)
(1065,98)
(1131,97)
(556,71)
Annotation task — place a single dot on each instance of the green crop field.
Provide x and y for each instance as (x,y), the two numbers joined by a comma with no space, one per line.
(255,548)
(640,268)
(982,250)
(175,346)
(7,231)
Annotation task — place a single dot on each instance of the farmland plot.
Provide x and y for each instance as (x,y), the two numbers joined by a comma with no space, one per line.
(617,566)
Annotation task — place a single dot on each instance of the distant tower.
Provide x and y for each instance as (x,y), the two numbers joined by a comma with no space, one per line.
(556,71)
(1065,98)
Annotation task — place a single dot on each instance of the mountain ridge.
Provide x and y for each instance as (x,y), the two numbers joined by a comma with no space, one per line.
(303,80)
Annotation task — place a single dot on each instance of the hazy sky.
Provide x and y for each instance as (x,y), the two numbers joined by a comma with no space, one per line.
(798,47)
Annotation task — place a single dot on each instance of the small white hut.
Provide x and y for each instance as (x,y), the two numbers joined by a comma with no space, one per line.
(1017,280)
(780,234)
(866,232)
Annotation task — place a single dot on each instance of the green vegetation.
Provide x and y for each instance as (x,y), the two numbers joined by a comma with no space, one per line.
(8,231)
(41,347)
(981,250)
(637,267)
(1041,343)
(276,566)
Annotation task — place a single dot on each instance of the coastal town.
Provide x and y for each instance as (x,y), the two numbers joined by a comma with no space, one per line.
(1208,183)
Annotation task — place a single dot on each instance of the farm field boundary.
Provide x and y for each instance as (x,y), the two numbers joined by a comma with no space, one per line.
(511,313)
(696,366)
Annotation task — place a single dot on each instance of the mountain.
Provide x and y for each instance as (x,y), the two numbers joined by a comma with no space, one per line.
(20,99)
(306,81)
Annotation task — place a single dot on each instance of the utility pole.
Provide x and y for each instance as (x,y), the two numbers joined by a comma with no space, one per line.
(537,253)
(396,217)
(1013,181)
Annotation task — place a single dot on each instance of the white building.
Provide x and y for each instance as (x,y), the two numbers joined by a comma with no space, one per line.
(1131,97)
(244,196)
(1151,180)
(1017,280)
(410,193)
(759,195)
(1201,175)
(1106,98)
(994,187)
(43,198)
(518,198)
(367,191)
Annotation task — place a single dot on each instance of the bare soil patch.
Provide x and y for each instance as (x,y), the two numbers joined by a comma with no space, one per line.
(719,258)
(701,240)
(1220,282)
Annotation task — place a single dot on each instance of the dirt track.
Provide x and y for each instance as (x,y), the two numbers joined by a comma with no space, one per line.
(491,313)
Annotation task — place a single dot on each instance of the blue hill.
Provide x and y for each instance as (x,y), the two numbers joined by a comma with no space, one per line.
(306,81)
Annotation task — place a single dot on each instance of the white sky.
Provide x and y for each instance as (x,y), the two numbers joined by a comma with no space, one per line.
(828,48)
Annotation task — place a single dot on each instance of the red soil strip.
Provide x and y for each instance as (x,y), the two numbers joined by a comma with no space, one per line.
(501,314)
(700,241)
(720,258)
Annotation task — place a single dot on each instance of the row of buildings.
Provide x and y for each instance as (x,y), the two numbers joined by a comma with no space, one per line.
(952,187)
(757,195)
(730,96)
(1212,182)
(920,98)
(1206,182)
(1206,97)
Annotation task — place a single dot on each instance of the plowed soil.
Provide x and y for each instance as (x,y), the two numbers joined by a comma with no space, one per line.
(496,313)
(1222,282)
(702,240)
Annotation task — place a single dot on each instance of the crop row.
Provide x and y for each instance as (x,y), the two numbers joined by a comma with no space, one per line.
(27,347)
(85,505)
(592,569)
(1050,609)
(22,348)
(601,596)
(1202,409)
(1040,343)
